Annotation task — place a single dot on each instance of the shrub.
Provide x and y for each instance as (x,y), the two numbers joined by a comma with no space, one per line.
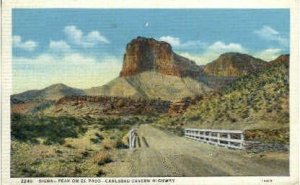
(53,130)
(69,146)
(108,144)
(102,158)
(100,173)
(95,140)
(85,154)
(120,144)
(99,136)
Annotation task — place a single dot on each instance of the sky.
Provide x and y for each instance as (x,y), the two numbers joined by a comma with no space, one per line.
(84,48)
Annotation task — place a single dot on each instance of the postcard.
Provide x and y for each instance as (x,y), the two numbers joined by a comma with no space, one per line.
(174,92)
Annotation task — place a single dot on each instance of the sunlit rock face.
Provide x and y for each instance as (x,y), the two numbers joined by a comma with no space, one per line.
(147,54)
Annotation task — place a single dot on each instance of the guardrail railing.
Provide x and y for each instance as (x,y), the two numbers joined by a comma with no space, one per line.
(132,138)
(226,138)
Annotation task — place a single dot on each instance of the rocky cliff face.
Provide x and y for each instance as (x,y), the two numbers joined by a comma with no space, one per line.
(143,54)
(233,65)
(280,59)
(97,106)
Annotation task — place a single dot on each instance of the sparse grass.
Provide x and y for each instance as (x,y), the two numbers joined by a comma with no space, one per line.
(101,158)
(52,129)
(109,144)
(83,155)
(259,101)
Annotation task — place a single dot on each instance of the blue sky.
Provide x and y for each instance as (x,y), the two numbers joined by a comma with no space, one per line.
(84,47)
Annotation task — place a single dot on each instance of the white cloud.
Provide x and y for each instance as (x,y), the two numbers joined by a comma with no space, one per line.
(73,34)
(28,45)
(220,47)
(269,33)
(178,44)
(268,54)
(213,51)
(76,70)
(77,37)
(59,46)
(199,59)
(174,41)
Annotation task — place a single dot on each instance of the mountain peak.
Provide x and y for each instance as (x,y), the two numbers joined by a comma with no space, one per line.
(147,54)
(233,64)
(236,56)
(52,92)
(57,86)
(281,59)
(146,39)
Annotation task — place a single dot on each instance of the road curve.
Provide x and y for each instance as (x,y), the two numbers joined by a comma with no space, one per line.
(162,154)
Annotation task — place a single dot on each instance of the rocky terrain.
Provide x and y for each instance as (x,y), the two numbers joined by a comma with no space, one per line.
(258,101)
(152,85)
(151,69)
(143,54)
(233,65)
(64,131)
(99,106)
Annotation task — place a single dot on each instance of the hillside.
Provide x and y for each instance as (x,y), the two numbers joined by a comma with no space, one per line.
(233,65)
(152,70)
(103,106)
(229,67)
(151,85)
(256,101)
(53,92)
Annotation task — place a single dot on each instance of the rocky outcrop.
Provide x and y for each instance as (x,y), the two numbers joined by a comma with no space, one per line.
(179,107)
(105,105)
(280,59)
(233,65)
(144,54)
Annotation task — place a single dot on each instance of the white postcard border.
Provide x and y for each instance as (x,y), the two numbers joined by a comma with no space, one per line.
(6,79)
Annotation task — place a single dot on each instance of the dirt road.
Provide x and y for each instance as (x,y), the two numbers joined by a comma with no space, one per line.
(162,154)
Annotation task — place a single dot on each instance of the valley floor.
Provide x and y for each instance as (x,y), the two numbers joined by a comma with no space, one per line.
(164,154)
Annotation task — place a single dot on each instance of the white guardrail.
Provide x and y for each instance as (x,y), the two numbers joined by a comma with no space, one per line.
(226,138)
(132,138)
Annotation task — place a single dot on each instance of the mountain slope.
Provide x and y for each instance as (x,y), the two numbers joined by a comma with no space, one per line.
(151,85)
(152,70)
(233,65)
(256,101)
(53,92)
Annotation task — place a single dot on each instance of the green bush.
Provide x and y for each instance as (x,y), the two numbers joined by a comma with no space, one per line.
(53,129)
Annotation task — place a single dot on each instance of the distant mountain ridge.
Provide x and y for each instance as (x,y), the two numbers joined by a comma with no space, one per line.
(152,70)
(53,92)
(229,67)
(233,65)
